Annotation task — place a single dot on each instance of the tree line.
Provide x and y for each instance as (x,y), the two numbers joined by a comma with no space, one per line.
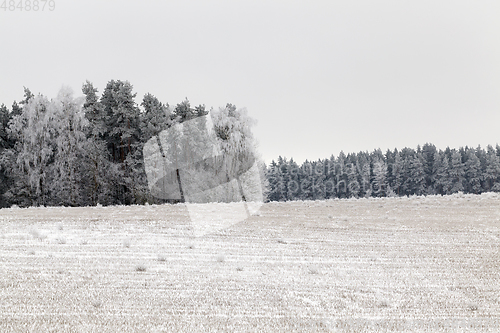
(423,171)
(87,151)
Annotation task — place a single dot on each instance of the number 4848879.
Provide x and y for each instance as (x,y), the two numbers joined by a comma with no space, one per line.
(28,5)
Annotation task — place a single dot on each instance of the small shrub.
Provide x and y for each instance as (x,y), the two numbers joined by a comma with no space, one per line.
(96,304)
(282,241)
(221,258)
(61,240)
(31,252)
(191,246)
(239,268)
(161,257)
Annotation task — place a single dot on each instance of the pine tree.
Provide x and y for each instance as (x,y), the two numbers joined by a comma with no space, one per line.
(183,111)
(5,143)
(122,119)
(156,117)
(101,174)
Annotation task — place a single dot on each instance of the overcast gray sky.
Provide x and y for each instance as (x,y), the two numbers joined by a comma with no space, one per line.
(319,76)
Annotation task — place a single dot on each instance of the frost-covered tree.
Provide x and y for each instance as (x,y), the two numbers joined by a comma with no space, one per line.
(428,151)
(340,174)
(442,181)
(276,184)
(492,170)
(233,131)
(397,173)
(306,181)
(457,172)
(155,118)
(364,170)
(380,185)
(101,174)
(122,135)
(32,153)
(5,143)
(293,184)
(68,125)
(473,172)
(122,119)
(353,185)
(318,180)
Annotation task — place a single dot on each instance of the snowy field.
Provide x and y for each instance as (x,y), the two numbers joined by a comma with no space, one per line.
(419,264)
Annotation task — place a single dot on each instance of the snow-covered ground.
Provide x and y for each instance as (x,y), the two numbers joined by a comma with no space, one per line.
(419,264)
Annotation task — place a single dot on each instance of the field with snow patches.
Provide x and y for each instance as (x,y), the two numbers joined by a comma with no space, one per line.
(419,264)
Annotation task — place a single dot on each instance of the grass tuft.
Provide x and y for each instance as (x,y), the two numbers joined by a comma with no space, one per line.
(37,234)
(96,304)
(126,243)
(384,304)
(473,307)
(140,268)
(314,269)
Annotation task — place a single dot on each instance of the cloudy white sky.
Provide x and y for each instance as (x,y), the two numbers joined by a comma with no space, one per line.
(319,76)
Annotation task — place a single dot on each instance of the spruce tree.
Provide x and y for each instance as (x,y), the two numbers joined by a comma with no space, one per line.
(473,172)
(380,185)
(457,172)
(492,170)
